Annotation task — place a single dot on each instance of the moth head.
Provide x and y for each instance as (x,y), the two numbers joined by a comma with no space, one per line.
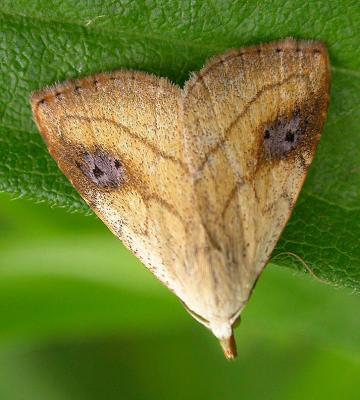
(222,329)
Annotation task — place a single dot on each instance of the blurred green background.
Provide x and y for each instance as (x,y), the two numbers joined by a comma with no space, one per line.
(81,318)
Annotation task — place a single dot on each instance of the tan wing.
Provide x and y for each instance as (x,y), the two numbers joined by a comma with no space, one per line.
(118,138)
(252,120)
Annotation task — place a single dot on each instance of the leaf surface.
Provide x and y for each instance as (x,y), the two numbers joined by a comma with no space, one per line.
(43,42)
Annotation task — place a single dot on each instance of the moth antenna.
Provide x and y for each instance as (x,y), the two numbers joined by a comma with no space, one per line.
(307,268)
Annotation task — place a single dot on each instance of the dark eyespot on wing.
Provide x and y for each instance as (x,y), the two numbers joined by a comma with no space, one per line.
(102,169)
(290,136)
(98,173)
(283,136)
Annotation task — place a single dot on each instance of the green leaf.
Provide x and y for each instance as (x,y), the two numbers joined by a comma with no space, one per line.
(43,42)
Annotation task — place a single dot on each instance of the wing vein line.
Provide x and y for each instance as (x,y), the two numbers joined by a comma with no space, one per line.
(145,142)
(227,131)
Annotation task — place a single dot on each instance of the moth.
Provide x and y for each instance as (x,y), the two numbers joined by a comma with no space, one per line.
(200,181)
